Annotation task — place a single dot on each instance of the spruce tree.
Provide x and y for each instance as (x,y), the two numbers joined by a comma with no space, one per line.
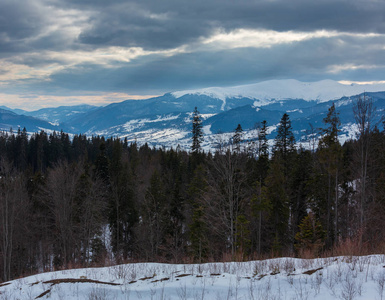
(263,146)
(259,203)
(284,146)
(237,138)
(330,154)
(198,229)
(311,236)
(198,235)
(284,141)
(332,120)
(197,132)
(122,211)
(102,166)
(154,215)
(298,188)
(276,198)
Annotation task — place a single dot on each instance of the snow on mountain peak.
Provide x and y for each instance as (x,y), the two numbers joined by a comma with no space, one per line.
(266,91)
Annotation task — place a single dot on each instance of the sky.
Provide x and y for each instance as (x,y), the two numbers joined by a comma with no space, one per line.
(67,52)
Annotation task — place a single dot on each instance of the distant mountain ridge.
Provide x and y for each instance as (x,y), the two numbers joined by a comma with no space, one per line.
(275,90)
(61,114)
(11,120)
(166,120)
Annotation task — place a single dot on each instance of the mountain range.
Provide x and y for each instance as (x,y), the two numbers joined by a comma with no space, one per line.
(166,120)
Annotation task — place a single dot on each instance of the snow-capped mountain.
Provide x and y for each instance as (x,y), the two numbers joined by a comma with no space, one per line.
(275,90)
(166,120)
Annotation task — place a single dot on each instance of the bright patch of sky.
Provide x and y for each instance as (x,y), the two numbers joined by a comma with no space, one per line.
(242,38)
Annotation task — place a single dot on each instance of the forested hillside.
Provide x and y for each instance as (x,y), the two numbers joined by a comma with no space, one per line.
(59,196)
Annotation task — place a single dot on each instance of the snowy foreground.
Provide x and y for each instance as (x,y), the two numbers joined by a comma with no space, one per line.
(283,278)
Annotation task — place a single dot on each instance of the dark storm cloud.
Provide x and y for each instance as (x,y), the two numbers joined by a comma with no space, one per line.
(154,24)
(19,21)
(156,75)
(167,24)
(33,25)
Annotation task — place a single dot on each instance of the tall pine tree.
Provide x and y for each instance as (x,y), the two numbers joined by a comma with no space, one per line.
(197,132)
(284,141)
(330,154)
(263,146)
(237,138)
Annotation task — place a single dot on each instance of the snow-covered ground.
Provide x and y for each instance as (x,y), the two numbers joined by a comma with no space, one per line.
(284,278)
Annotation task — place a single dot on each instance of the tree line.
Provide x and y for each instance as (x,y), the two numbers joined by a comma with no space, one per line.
(85,201)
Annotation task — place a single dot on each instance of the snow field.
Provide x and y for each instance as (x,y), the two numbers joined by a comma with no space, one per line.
(282,278)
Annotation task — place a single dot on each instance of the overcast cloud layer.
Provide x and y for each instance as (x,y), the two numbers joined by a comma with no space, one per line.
(55,52)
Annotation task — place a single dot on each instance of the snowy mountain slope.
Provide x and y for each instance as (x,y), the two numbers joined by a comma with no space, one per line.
(117,114)
(350,277)
(248,116)
(174,129)
(274,90)
(243,108)
(154,129)
(60,114)
(166,120)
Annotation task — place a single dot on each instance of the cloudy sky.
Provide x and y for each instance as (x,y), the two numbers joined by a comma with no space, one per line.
(55,52)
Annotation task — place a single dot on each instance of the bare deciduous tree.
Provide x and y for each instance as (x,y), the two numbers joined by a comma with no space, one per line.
(13,203)
(225,194)
(365,117)
(60,192)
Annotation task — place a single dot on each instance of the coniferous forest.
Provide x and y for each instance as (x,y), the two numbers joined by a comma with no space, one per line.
(91,201)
